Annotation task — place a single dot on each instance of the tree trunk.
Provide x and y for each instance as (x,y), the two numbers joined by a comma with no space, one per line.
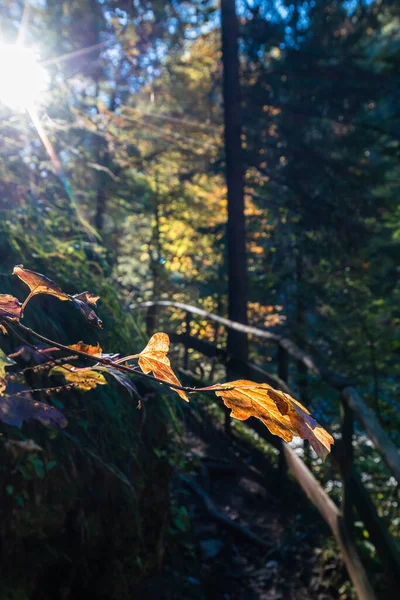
(155,253)
(236,242)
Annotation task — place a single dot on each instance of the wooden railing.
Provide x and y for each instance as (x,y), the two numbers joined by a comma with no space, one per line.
(355,497)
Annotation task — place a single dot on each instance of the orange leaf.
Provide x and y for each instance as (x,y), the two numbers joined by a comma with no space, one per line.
(281,413)
(154,358)
(82,347)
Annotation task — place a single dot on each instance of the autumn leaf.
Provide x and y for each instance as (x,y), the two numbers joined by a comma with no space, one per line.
(4,363)
(283,415)
(154,358)
(87,297)
(84,303)
(18,406)
(38,284)
(85,379)
(82,347)
(10,306)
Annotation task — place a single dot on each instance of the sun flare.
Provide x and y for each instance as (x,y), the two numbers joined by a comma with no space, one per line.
(22,79)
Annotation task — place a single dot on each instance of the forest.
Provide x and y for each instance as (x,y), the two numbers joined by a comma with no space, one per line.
(199,303)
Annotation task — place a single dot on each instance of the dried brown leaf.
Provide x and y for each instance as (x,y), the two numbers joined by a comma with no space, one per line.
(283,415)
(87,297)
(10,306)
(85,307)
(38,284)
(154,358)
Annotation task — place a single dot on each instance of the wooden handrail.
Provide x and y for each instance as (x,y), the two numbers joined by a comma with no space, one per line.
(379,437)
(287,344)
(331,515)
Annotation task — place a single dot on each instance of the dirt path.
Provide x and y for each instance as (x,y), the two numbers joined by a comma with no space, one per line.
(212,561)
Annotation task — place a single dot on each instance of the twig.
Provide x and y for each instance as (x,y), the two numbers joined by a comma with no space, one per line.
(110,363)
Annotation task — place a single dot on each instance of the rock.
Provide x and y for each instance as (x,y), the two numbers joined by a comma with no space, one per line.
(272,565)
(210,548)
(193,580)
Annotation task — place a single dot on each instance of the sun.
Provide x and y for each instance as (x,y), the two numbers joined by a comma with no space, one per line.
(22,79)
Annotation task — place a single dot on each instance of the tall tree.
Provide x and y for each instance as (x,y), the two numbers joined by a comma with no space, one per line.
(236,229)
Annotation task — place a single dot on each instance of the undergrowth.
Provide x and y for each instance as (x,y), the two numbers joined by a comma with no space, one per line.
(88,509)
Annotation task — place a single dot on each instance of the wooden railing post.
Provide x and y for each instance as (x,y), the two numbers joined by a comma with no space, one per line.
(379,437)
(347,422)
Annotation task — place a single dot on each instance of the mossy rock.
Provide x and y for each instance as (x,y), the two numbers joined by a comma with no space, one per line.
(86,515)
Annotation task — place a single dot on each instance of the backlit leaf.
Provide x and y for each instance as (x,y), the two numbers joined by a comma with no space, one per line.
(39,284)
(154,358)
(82,347)
(10,306)
(281,413)
(85,379)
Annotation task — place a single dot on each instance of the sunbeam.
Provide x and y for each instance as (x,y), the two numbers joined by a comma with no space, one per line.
(91,232)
